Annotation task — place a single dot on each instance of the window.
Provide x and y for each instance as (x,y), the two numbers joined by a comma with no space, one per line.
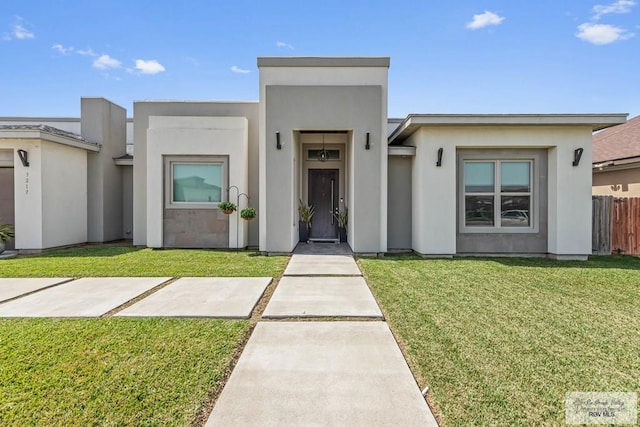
(195,182)
(498,194)
(329,154)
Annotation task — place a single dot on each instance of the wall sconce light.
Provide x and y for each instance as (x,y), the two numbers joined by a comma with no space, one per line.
(577,154)
(24,158)
(367,146)
(278,144)
(439,162)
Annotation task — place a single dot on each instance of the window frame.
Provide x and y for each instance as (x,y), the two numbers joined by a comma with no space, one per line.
(170,161)
(497,157)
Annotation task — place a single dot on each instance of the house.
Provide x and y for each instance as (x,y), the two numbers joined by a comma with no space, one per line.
(437,184)
(616,160)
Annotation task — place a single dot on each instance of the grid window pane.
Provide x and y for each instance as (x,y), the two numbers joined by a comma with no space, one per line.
(515,177)
(479,211)
(197,183)
(515,211)
(479,177)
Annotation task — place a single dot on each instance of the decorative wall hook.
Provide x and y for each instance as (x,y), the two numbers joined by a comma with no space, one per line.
(278,144)
(367,146)
(439,162)
(24,157)
(577,154)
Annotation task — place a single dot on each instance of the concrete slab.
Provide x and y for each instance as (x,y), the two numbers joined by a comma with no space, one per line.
(86,297)
(322,296)
(321,373)
(322,265)
(233,297)
(11,288)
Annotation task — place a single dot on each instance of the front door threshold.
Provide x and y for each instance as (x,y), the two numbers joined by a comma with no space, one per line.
(319,240)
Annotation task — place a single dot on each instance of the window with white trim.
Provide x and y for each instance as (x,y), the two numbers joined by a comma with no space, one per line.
(195,182)
(498,194)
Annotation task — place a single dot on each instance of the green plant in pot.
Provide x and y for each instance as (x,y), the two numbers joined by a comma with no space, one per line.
(7,233)
(227,207)
(248,214)
(342,218)
(305,212)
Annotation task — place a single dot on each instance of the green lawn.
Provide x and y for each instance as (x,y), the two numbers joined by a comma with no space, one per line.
(111,371)
(501,341)
(125,260)
(62,372)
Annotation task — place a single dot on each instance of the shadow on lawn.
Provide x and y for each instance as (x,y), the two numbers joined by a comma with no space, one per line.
(626,262)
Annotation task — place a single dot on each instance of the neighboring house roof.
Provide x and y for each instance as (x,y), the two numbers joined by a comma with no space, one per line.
(620,142)
(414,121)
(48,133)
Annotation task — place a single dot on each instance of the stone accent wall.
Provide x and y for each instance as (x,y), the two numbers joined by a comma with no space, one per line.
(195,228)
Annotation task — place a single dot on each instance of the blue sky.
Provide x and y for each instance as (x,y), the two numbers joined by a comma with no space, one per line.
(494,56)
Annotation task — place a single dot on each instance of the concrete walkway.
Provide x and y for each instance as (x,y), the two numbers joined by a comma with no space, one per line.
(323,373)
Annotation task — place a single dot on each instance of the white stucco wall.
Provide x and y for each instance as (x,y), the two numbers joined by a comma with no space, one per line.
(435,188)
(64,195)
(50,194)
(211,136)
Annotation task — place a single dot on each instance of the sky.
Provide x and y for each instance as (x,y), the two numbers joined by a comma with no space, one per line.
(476,56)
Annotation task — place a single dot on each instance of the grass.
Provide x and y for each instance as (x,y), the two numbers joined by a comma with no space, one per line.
(120,260)
(501,341)
(112,371)
(109,371)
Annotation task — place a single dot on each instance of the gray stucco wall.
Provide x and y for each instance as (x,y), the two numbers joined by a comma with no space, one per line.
(104,122)
(142,111)
(522,243)
(355,108)
(399,203)
(127,202)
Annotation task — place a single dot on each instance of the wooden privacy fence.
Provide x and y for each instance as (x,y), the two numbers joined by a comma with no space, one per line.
(616,225)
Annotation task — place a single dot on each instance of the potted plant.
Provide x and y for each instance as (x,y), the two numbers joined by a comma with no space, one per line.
(248,214)
(342,218)
(227,207)
(304,224)
(7,233)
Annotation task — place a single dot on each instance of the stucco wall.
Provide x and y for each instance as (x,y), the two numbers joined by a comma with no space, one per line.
(569,188)
(354,108)
(64,195)
(327,75)
(618,183)
(105,123)
(400,204)
(195,136)
(144,109)
(127,202)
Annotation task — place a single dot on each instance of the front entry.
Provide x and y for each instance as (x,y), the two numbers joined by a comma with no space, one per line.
(323,195)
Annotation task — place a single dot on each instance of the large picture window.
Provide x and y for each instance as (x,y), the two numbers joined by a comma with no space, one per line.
(498,194)
(195,182)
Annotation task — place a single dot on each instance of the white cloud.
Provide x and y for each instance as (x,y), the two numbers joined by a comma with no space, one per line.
(601,34)
(86,52)
(619,6)
(150,66)
(61,49)
(484,20)
(283,45)
(105,61)
(5,37)
(239,70)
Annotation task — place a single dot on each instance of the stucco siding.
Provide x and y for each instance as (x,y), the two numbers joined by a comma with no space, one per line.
(353,108)
(399,209)
(142,112)
(618,183)
(64,195)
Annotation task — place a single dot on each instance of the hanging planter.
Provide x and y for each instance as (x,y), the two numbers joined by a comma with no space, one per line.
(227,207)
(248,214)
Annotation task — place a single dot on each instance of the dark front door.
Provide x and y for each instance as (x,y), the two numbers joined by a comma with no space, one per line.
(7,200)
(323,195)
